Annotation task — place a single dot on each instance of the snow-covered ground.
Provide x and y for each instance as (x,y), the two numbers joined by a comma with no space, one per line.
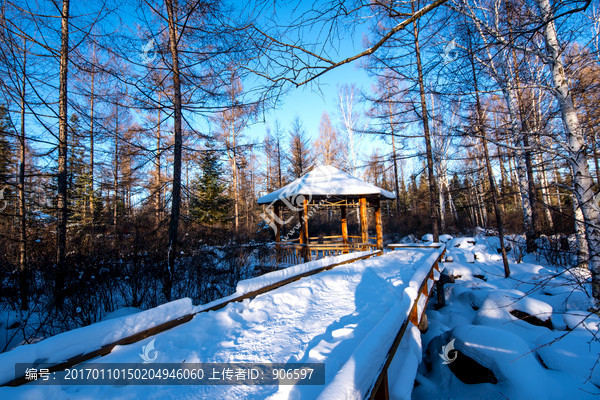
(552,361)
(346,318)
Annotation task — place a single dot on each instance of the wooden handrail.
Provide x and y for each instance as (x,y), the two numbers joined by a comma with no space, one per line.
(380,388)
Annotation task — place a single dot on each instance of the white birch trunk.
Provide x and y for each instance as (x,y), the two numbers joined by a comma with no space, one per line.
(582,247)
(545,193)
(576,147)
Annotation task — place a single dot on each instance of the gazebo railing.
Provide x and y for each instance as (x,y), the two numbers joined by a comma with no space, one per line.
(329,239)
(292,252)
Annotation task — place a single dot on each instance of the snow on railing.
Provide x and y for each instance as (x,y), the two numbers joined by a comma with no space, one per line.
(423,281)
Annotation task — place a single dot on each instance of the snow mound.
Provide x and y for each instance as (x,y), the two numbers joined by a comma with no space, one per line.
(409,239)
(506,355)
(577,319)
(463,243)
(446,238)
(499,302)
(576,352)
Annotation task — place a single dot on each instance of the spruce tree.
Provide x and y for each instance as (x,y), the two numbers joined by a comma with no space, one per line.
(6,149)
(209,205)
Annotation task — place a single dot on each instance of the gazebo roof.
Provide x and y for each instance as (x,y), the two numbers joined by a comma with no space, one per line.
(326,181)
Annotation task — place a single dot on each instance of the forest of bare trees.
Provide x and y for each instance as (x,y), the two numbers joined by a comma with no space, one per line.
(124,145)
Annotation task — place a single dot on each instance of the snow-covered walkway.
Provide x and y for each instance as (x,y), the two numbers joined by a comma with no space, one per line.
(346,318)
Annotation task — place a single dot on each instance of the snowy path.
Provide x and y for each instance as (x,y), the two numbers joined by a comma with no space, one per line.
(346,318)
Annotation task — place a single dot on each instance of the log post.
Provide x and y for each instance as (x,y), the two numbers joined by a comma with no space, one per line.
(277,213)
(364,227)
(301,233)
(304,231)
(344,229)
(378,224)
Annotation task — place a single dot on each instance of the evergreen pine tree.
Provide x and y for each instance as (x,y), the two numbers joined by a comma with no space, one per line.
(209,205)
(6,149)
(77,177)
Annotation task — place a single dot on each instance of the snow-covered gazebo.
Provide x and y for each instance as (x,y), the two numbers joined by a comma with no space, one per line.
(324,186)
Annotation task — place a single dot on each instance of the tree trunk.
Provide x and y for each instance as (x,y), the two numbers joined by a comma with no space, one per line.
(502,177)
(488,165)
(576,147)
(61,234)
(473,203)
(279,176)
(116,176)
(441,189)
(512,166)
(91,197)
(582,247)
(520,167)
(544,187)
(479,191)
(433,197)
(394,157)
(556,186)
(23,271)
(451,205)
(525,199)
(157,195)
(531,192)
(403,187)
(177,144)
(236,198)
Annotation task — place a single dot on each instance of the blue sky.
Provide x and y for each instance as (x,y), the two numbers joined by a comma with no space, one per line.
(309,102)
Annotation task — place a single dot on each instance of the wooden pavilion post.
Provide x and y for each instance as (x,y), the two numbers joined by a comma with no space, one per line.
(277,213)
(344,229)
(301,233)
(304,232)
(378,223)
(364,227)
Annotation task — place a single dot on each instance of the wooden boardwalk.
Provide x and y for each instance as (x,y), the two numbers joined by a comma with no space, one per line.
(423,280)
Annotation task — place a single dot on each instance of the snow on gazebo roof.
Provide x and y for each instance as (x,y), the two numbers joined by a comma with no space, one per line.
(326,180)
